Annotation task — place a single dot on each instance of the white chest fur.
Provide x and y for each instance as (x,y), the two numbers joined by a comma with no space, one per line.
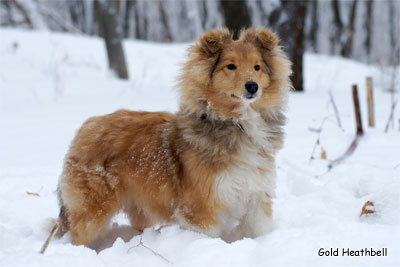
(251,175)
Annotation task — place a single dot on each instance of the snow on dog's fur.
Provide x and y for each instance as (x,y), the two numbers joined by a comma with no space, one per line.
(209,168)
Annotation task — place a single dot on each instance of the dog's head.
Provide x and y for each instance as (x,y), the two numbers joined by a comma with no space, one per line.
(230,76)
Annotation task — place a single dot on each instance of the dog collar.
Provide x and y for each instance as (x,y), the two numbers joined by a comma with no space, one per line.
(236,123)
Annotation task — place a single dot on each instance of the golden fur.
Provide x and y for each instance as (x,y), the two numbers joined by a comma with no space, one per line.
(197,168)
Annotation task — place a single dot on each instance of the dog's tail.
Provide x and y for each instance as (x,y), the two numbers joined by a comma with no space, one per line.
(60,227)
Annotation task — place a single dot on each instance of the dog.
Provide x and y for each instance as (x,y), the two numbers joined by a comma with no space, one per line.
(209,168)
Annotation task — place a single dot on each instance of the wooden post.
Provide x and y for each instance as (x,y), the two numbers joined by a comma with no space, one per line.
(370,99)
(357,111)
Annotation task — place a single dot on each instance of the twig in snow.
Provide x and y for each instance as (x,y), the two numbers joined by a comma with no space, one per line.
(140,244)
(336,110)
(393,85)
(332,100)
(32,194)
(348,152)
(359,133)
(52,233)
(317,142)
(394,104)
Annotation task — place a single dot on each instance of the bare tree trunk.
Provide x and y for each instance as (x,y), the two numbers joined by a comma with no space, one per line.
(337,34)
(97,16)
(300,11)
(368,29)
(137,22)
(314,25)
(78,14)
(113,37)
(164,20)
(347,48)
(263,14)
(236,16)
(274,16)
(393,40)
(7,20)
(204,13)
(128,7)
(292,32)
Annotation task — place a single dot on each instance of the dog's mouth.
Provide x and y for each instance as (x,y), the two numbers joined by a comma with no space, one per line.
(246,97)
(250,97)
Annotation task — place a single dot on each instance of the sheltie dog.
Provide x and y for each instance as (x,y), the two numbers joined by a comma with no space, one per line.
(210,167)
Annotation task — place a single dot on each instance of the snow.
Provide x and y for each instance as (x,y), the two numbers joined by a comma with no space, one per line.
(51,83)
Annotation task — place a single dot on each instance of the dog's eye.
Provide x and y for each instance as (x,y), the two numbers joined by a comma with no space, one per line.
(257,67)
(231,66)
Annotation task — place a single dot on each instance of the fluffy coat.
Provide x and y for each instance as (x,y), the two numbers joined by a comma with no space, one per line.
(209,167)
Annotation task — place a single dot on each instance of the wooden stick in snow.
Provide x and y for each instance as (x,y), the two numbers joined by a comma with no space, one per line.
(357,111)
(390,116)
(359,132)
(348,152)
(370,100)
(52,233)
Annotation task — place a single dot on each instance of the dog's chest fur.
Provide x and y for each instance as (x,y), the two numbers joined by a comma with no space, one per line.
(242,157)
(251,172)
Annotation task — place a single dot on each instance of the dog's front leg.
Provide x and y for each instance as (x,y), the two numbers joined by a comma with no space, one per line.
(258,220)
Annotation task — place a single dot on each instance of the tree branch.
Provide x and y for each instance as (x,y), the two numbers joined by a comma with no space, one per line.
(335,110)
(317,142)
(394,104)
(359,132)
(141,244)
(24,13)
(67,27)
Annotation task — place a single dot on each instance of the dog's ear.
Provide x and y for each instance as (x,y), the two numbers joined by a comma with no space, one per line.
(262,38)
(211,43)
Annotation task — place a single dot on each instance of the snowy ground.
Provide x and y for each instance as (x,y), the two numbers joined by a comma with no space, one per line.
(51,83)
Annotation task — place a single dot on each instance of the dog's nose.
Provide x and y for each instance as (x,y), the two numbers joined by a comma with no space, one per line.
(251,87)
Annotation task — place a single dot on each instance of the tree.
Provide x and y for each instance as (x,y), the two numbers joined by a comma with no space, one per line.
(112,31)
(8,5)
(78,14)
(288,20)
(348,45)
(313,40)
(336,35)
(236,15)
(333,26)
(368,28)
(298,23)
